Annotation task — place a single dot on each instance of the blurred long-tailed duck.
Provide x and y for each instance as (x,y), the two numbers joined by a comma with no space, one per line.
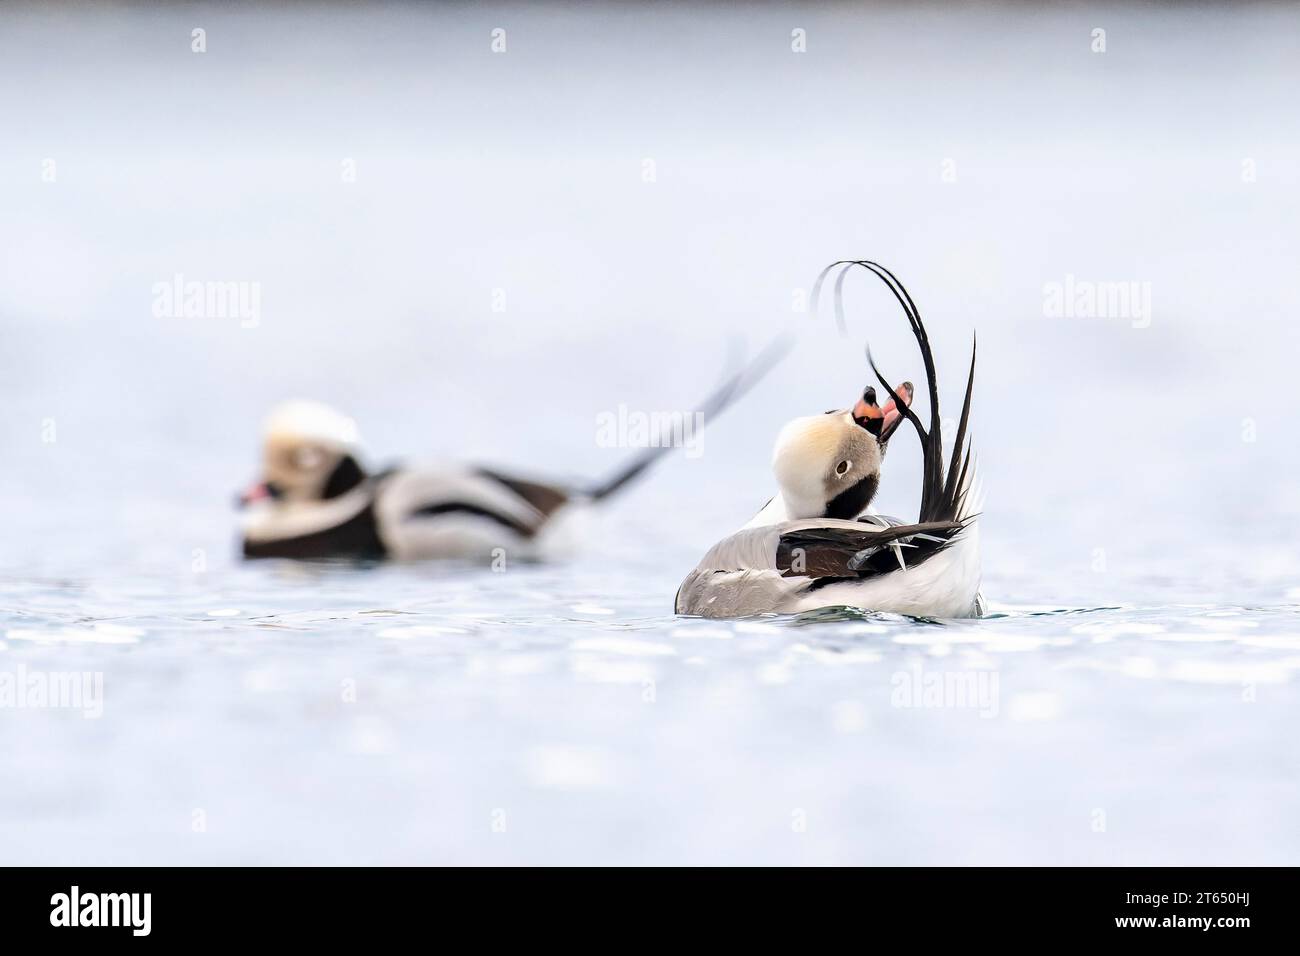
(819,544)
(316,498)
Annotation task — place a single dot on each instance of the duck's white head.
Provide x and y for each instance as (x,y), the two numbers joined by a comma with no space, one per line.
(310,452)
(828,466)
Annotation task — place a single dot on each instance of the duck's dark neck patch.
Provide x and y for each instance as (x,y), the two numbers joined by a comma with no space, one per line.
(850,502)
(347,474)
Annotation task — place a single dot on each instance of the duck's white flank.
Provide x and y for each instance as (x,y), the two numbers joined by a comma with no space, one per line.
(739,575)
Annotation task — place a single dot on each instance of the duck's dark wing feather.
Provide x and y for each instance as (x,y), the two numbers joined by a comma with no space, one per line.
(836,553)
(544,497)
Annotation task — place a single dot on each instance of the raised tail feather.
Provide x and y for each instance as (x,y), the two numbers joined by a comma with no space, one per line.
(726,395)
(943,497)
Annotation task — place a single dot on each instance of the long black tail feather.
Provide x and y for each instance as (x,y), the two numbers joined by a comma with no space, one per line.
(733,388)
(942,497)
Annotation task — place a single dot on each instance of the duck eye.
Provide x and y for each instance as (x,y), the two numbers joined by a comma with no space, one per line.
(843,467)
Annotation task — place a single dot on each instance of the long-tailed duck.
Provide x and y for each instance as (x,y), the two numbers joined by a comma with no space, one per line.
(817,544)
(316,499)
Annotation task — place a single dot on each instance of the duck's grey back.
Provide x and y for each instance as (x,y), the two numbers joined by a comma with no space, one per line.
(737,577)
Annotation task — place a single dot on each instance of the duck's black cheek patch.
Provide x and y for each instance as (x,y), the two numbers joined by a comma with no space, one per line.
(347,474)
(848,504)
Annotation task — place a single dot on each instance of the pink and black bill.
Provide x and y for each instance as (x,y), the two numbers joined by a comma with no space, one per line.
(881,420)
